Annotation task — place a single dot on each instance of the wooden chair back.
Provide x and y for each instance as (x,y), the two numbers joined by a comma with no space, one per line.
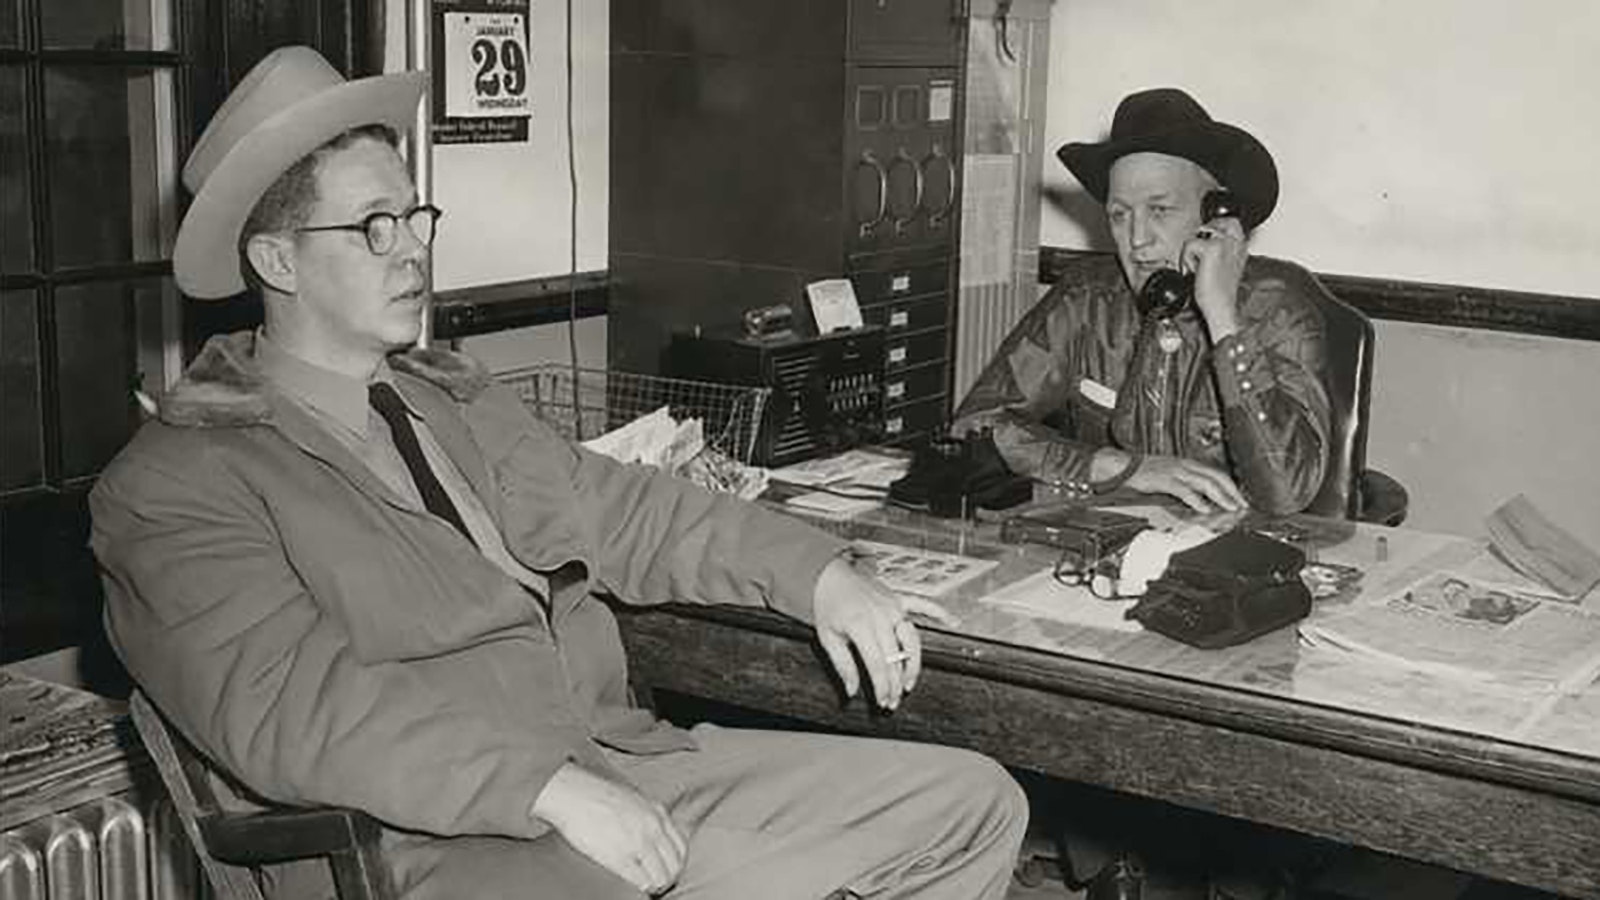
(230,844)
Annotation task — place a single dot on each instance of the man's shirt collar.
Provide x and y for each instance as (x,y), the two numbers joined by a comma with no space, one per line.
(333,394)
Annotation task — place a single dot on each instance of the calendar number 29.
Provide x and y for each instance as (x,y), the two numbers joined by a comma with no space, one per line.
(502,68)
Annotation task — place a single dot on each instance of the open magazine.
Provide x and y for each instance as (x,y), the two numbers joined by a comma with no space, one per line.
(1457,625)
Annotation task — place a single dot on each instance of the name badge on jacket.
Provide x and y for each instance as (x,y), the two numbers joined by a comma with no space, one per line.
(1097,393)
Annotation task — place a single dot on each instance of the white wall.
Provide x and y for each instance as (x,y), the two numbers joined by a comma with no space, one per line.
(1466,419)
(517,348)
(1449,141)
(1434,140)
(507,205)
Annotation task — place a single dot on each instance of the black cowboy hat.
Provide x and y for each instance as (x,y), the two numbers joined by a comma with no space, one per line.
(1167,120)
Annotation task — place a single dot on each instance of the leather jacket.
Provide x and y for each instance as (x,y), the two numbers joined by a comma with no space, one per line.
(1081,371)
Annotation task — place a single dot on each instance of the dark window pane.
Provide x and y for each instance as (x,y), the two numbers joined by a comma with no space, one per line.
(102,158)
(101,24)
(21,440)
(95,347)
(16,231)
(9,29)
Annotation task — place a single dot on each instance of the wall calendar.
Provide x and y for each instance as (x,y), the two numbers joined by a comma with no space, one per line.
(481,67)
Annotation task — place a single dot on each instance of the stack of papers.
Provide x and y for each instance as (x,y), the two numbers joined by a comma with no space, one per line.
(833,506)
(848,484)
(60,747)
(860,471)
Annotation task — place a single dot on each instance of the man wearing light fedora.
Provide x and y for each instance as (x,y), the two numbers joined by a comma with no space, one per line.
(356,573)
(1220,404)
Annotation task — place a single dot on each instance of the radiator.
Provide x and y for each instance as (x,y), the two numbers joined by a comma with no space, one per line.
(985,314)
(1008,53)
(82,813)
(109,848)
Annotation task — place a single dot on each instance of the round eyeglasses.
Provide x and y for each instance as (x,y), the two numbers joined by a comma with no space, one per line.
(382,229)
(1098,574)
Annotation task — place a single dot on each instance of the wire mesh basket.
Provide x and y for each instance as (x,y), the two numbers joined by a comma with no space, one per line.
(585,403)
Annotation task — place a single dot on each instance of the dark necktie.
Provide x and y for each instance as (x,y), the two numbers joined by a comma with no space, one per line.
(387,402)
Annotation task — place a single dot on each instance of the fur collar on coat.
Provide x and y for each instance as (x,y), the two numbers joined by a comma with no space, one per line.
(224,387)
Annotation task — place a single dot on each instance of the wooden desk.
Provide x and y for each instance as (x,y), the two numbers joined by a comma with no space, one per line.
(1290,736)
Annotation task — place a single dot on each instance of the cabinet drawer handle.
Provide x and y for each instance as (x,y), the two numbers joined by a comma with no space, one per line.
(899,319)
(895,425)
(870,160)
(901,283)
(937,215)
(901,157)
(897,354)
(896,390)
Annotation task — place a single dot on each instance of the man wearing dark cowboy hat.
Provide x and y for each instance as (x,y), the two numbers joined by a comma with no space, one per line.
(1220,405)
(362,575)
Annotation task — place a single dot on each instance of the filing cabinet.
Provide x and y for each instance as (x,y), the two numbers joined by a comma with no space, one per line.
(760,145)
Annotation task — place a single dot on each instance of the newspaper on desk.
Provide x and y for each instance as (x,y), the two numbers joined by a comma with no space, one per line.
(1511,613)
(1494,627)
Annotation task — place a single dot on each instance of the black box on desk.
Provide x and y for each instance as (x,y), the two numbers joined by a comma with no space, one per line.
(827,391)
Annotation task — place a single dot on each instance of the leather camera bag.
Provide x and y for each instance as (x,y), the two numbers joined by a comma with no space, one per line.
(1226,591)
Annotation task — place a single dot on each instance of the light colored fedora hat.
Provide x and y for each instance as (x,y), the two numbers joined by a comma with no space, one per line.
(290,104)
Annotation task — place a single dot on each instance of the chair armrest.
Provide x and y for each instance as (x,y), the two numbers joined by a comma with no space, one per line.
(1384,501)
(249,839)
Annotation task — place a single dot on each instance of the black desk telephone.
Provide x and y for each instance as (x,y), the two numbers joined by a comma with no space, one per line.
(1168,292)
(955,477)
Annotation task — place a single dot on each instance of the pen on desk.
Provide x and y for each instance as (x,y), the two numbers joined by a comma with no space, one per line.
(1383,549)
(902,656)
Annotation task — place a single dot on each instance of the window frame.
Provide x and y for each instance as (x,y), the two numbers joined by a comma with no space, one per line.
(44,277)
(49,577)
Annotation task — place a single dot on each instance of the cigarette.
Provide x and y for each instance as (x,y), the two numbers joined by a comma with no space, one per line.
(902,656)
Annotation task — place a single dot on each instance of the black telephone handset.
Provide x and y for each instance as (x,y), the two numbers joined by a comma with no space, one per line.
(1168,292)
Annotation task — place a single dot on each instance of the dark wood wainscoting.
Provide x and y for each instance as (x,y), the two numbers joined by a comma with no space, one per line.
(1459,306)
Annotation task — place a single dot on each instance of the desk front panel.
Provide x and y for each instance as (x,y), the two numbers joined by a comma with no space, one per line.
(1267,762)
